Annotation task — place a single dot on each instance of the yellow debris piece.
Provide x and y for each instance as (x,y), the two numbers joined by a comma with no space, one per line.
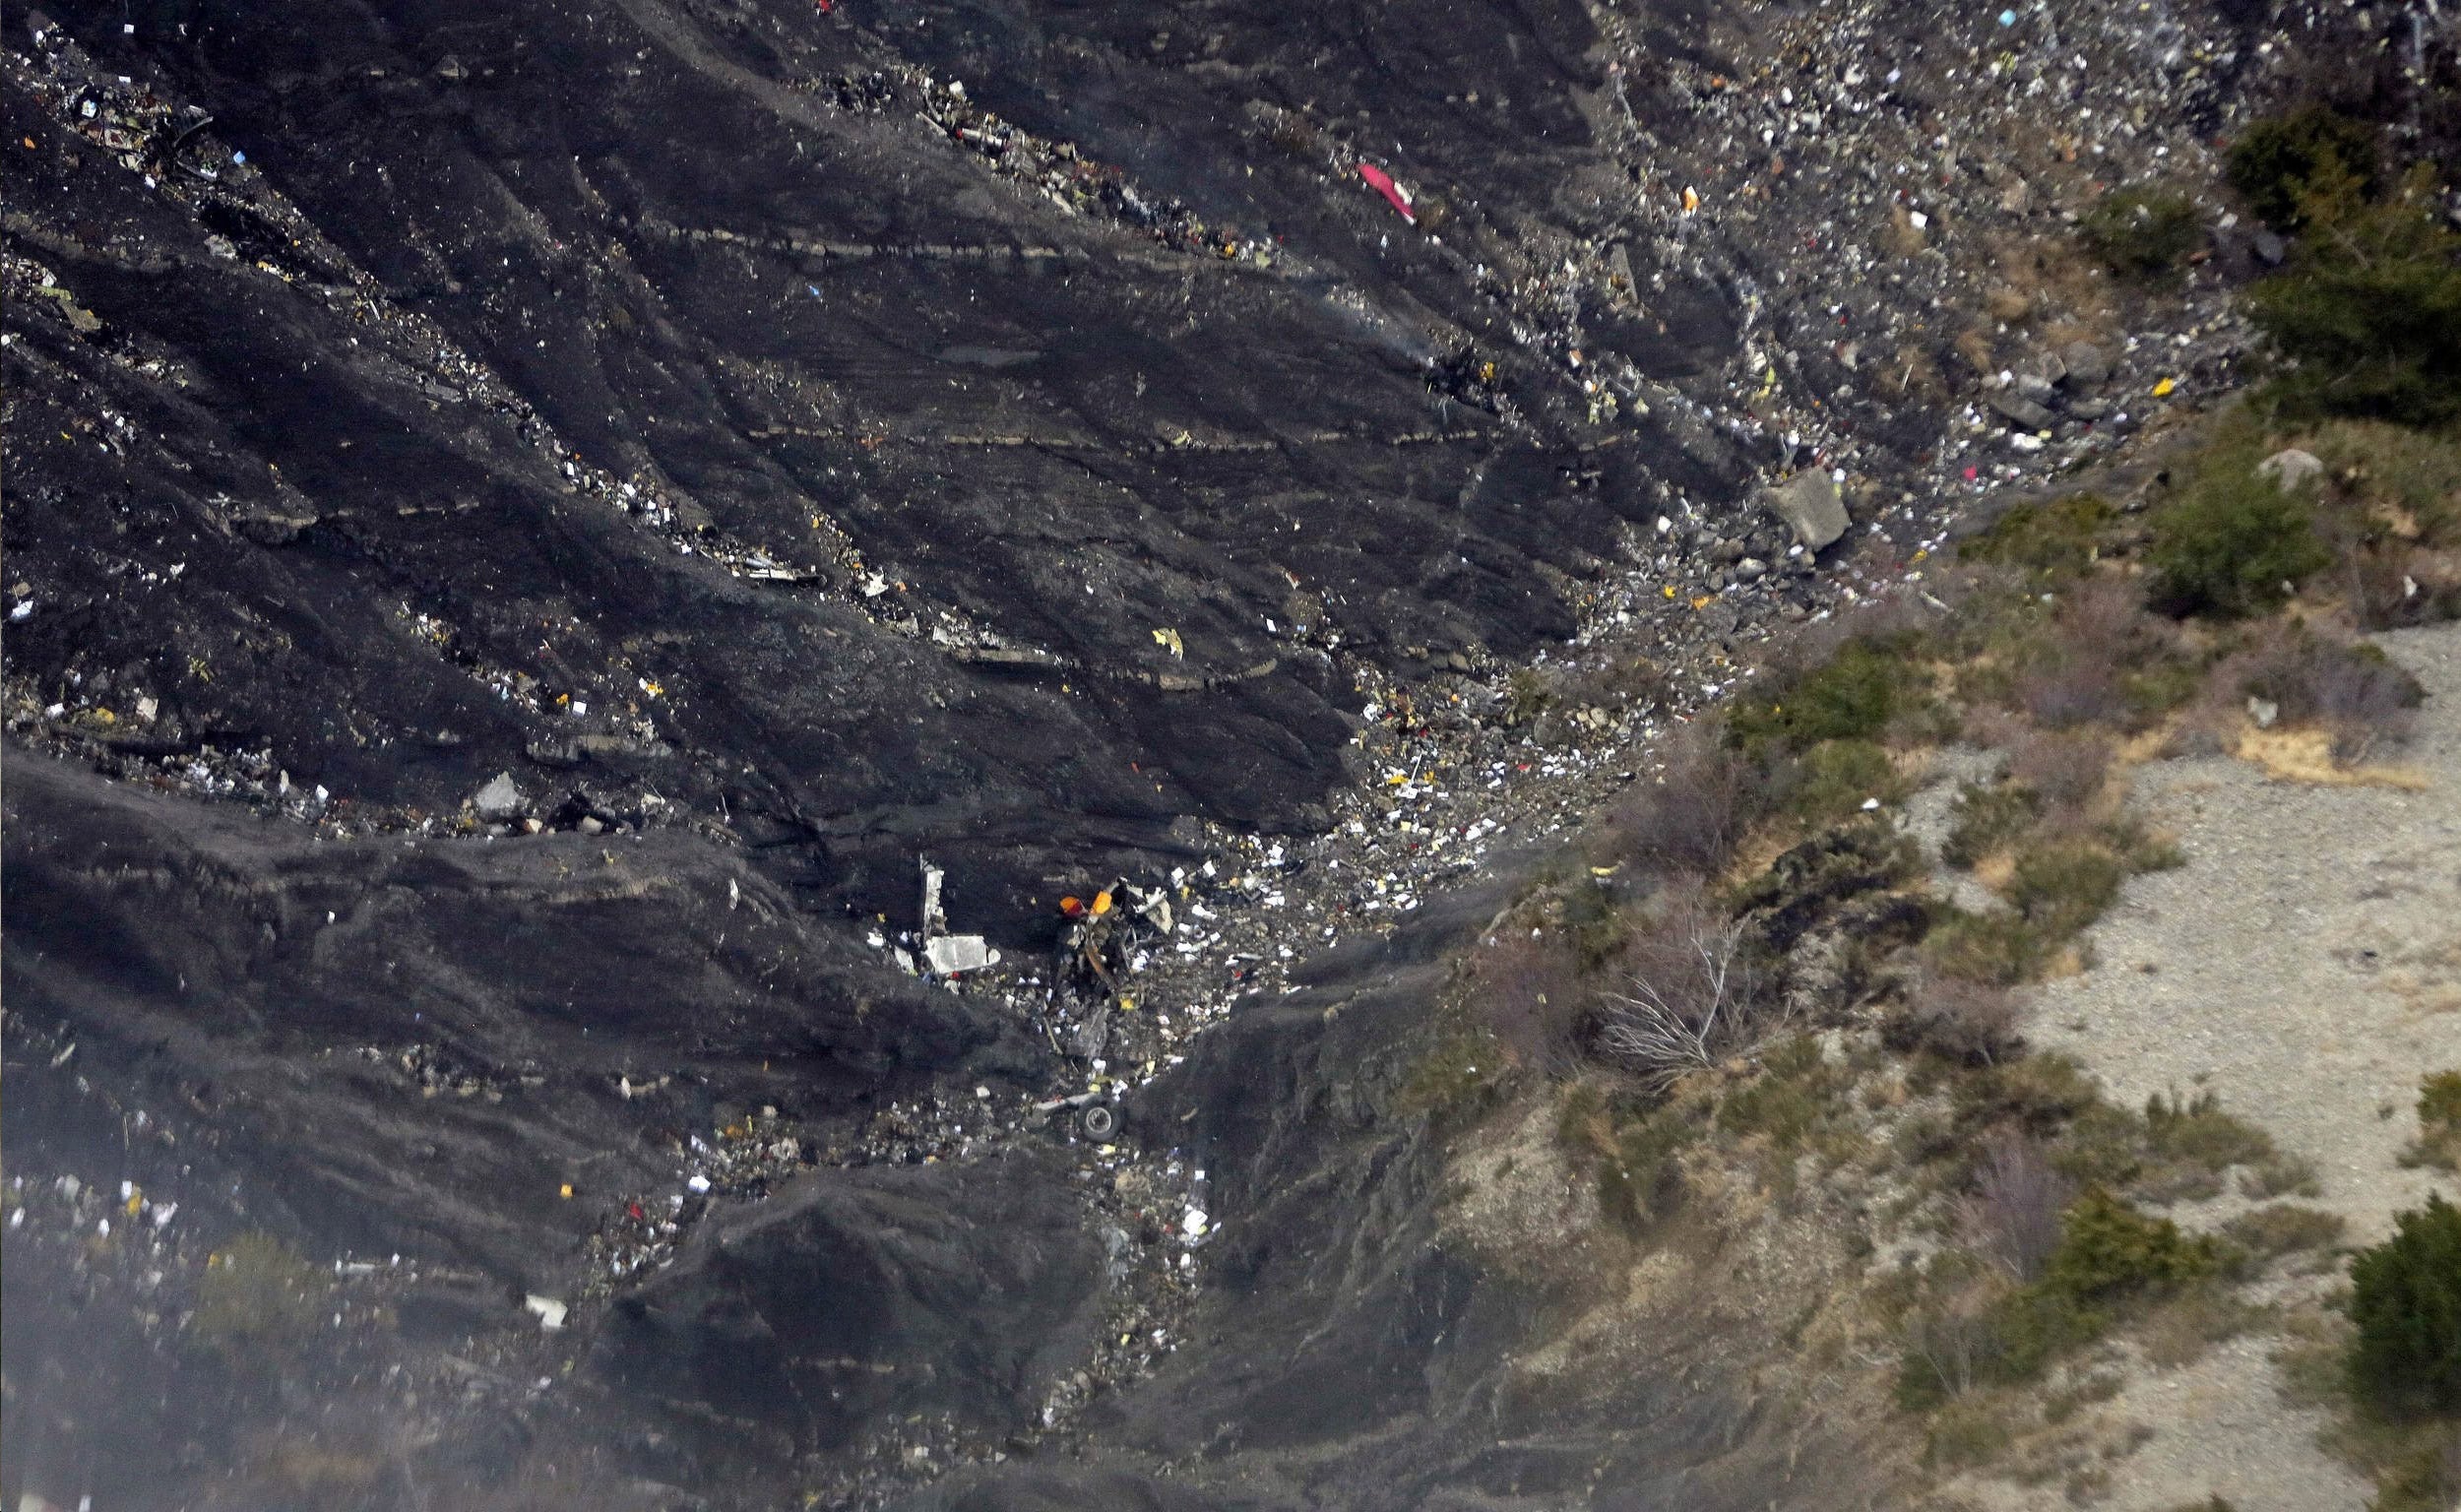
(2163,389)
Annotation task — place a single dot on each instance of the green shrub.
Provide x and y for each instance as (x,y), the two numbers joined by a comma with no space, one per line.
(2405,1298)
(1835,777)
(2061,886)
(2196,1131)
(2038,1092)
(2439,1102)
(2104,1146)
(259,1295)
(1970,1433)
(2054,538)
(2275,165)
(1852,696)
(2282,1175)
(2108,1251)
(2139,849)
(2423,1477)
(1988,819)
(1787,1098)
(2142,230)
(2037,1324)
(2369,309)
(1999,948)
(2230,541)
(1640,1180)
(2158,689)
(2283,1228)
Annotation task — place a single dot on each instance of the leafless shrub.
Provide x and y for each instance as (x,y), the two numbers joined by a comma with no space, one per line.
(1970,1022)
(1955,1342)
(1991,726)
(1695,816)
(2354,691)
(1696,999)
(2013,1212)
(2100,629)
(2062,691)
(2065,770)
(1528,987)
(2398,584)
(2107,618)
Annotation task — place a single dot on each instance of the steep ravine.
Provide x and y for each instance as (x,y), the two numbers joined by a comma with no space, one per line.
(793,442)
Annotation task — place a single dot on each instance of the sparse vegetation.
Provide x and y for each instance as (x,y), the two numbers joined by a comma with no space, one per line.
(2353,691)
(1692,819)
(2283,1228)
(1988,820)
(2439,1122)
(1958,1019)
(2142,230)
(258,1296)
(2014,1212)
(2275,164)
(2057,539)
(1530,987)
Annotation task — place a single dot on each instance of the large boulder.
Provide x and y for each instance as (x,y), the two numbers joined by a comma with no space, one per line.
(2291,468)
(1808,503)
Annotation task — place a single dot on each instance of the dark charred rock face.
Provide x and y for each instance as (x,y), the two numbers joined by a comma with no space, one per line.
(525,523)
(566,504)
(616,349)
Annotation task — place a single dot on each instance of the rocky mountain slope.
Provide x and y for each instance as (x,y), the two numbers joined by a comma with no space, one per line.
(794,441)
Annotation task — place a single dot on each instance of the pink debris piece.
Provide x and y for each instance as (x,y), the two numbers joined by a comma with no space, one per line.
(1382,184)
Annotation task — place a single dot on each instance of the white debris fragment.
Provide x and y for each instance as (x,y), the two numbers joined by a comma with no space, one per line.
(951,954)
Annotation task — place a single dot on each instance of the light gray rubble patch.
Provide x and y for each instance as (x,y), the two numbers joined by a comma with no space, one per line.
(500,799)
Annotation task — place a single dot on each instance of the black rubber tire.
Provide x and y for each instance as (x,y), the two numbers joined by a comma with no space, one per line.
(1097,1121)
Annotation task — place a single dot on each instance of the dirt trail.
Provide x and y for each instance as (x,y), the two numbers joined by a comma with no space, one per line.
(2306,966)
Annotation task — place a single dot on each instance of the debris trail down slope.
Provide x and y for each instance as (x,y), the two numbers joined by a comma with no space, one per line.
(788,440)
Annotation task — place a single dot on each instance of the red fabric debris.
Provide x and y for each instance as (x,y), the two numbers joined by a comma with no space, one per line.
(1382,184)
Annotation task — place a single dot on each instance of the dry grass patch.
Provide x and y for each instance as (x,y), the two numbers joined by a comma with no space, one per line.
(2306,755)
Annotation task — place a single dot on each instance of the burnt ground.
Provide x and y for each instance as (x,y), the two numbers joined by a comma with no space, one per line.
(790,440)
